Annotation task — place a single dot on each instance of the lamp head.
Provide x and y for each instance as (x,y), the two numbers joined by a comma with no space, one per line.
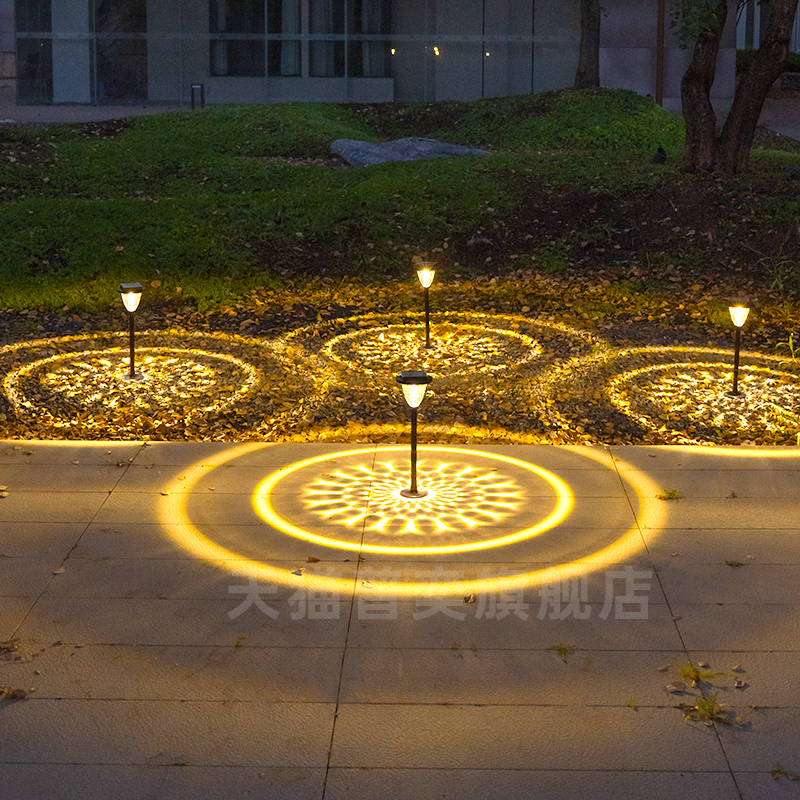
(738,314)
(425,274)
(414,383)
(131,295)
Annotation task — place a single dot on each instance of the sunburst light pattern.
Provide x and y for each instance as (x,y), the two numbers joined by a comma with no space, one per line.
(469,494)
(460,497)
(455,349)
(96,382)
(690,396)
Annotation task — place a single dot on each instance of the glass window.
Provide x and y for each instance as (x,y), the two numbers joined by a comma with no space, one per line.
(283,17)
(34,70)
(33,16)
(368,59)
(326,59)
(240,57)
(120,54)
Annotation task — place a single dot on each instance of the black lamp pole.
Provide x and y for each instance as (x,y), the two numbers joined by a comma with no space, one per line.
(739,314)
(427,320)
(414,383)
(132,328)
(131,295)
(737,343)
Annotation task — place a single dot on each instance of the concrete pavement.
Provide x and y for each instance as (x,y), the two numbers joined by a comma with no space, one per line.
(274,621)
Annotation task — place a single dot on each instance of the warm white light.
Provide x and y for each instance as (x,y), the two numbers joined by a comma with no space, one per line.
(425,275)
(393,51)
(739,315)
(131,295)
(414,393)
(131,300)
(487,55)
(436,51)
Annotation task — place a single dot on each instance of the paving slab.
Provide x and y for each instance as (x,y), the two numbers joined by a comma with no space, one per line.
(166,579)
(506,677)
(236,672)
(445,624)
(739,582)
(184,622)
(718,545)
(432,736)
(739,626)
(501,784)
(12,613)
(163,732)
(123,782)
(57,478)
(26,577)
(58,507)
(66,452)
(39,539)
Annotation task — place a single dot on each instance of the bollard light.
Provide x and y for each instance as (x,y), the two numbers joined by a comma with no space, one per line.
(131,295)
(414,383)
(739,313)
(425,274)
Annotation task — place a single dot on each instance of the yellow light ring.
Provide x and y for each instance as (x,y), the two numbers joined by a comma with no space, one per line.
(563,506)
(174,518)
(563,375)
(614,385)
(329,350)
(253,376)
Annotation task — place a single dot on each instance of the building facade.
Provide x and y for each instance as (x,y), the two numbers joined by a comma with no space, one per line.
(256,51)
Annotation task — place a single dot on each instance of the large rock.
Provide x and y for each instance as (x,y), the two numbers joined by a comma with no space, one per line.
(412,148)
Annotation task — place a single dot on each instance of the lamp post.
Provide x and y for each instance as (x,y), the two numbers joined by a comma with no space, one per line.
(414,383)
(425,274)
(739,317)
(131,295)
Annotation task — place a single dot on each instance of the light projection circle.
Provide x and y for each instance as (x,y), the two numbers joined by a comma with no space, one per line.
(97,382)
(680,393)
(455,349)
(205,540)
(461,501)
(693,393)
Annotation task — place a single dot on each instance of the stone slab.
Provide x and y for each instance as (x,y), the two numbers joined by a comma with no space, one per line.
(533,737)
(124,782)
(192,732)
(502,784)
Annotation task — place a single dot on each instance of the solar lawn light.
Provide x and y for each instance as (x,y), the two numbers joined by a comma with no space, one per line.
(131,295)
(425,274)
(414,383)
(739,315)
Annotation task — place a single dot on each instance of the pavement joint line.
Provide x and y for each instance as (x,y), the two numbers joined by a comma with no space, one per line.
(77,541)
(347,634)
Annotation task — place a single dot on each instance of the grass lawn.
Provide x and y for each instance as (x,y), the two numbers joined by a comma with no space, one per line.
(242,226)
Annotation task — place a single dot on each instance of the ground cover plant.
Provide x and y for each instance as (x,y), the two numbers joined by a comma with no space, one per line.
(240,223)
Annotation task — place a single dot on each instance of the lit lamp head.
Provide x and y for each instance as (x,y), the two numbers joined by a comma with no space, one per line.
(425,274)
(131,295)
(414,383)
(739,314)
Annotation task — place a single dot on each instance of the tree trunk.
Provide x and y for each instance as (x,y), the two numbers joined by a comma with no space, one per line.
(733,149)
(587,75)
(730,151)
(696,83)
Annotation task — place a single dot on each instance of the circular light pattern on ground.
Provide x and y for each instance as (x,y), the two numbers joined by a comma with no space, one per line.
(455,349)
(191,383)
(620,543)
(464,495)
(97,382)
(691,394)
(677,395)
